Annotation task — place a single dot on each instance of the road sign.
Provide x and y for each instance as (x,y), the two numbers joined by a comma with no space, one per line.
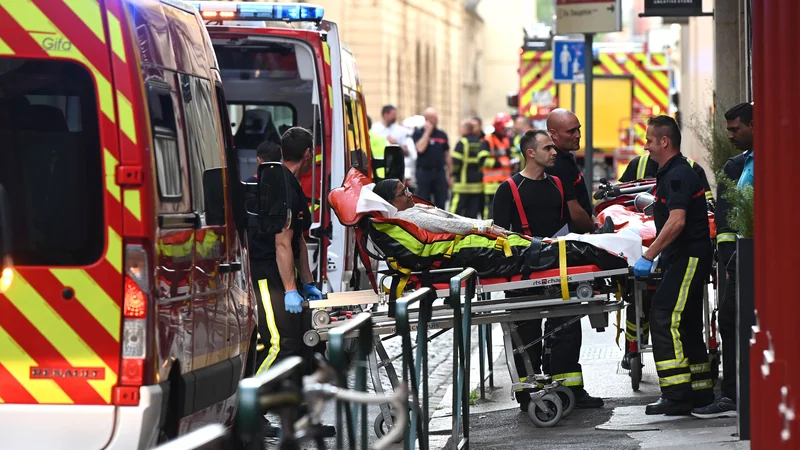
(672,8)
(569,61)
(588,16)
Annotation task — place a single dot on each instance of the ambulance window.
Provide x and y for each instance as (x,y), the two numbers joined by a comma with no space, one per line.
(51,162)
(165,141)
(202,137)
(253,124)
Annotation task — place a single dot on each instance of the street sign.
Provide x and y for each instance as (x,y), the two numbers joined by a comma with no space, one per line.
(672,8)
(569,61)
(588,16)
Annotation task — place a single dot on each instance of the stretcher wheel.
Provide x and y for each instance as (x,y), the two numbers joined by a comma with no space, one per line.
(381,429)
(636,371)
(547,411)
(584,291)
(311,338)
(567,398)
(320,317)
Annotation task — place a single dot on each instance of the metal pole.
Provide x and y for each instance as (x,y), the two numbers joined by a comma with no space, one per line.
(588,164)
(572,97)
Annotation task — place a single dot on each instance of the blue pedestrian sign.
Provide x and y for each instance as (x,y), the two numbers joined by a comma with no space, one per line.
(568,61)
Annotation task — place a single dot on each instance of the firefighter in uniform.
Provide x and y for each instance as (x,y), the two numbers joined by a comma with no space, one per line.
(377,143)
(498,166)
(539,208)
(740,133)
(279,265)
(684,246)
(640,168)
(467,177)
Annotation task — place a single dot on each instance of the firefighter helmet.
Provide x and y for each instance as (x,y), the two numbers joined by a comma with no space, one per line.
(501,121)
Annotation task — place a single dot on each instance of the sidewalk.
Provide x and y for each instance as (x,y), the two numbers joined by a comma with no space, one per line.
(497,422)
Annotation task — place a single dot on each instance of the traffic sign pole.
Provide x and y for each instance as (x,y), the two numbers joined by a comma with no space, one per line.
(588,152)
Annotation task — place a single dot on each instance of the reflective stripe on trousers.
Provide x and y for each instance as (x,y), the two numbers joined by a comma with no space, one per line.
(274,336)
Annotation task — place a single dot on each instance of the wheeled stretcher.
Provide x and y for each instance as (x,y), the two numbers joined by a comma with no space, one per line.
(417,259)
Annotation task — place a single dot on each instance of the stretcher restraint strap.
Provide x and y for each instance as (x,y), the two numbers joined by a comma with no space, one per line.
(562,267)
(406,274)
(501,243)
(449,253)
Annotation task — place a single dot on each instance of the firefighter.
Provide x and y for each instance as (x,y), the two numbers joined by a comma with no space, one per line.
(467,177)
(497,167)
(542,211)
(640,168)
(565,130)
(740,133)
(377,143)
(434,163)
(684,247)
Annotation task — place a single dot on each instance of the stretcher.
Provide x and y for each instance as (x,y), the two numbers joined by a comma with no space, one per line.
(564,291)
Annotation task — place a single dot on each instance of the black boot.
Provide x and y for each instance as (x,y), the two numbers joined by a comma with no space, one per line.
(585,401)
(668,407)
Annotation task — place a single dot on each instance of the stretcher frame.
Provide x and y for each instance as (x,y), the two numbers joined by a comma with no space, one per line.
(459,313)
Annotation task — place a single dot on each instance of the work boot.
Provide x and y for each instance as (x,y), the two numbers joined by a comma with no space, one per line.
(668,408)
(585,401)
(325,431)
(524,400)
(721,407)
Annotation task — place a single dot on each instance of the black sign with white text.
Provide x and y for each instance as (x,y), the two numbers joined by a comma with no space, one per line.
(673,7)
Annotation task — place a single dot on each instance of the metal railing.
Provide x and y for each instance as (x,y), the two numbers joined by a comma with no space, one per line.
(462,349)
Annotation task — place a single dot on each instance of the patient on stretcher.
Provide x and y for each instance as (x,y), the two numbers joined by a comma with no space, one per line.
(420,238)
(430,218)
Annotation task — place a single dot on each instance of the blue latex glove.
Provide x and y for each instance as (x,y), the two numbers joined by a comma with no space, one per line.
(293,302)
(643,267)
(311,292)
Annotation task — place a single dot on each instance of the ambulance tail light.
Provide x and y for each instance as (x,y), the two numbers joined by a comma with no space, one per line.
(135,305)
(217,11)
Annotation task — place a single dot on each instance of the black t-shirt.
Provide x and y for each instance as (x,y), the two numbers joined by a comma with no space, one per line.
(433,157)
(262,245)
(567,170)
(544,207)
(679,187)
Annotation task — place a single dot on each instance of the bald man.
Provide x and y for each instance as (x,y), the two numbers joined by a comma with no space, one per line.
(434,165)
(565,130)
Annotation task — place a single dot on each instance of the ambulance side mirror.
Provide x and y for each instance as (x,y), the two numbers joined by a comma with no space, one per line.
(274,203)
(5,230)
(394,162)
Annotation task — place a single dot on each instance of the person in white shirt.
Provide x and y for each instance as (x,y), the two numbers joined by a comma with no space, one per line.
(397,134)
(430,218)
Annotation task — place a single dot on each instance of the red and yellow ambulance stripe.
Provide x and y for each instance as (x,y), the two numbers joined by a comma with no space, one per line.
(650,86)
(536,75)
(60,328)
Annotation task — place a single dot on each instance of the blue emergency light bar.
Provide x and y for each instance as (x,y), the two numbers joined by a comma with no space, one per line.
(284,12)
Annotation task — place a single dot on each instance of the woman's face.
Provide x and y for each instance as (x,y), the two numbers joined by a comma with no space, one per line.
(402,197)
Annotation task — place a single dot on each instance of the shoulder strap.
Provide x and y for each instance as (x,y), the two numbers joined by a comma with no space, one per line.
(560,187)
(523,218)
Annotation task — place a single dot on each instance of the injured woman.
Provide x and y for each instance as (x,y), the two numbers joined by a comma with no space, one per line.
(430,218)
(419,237)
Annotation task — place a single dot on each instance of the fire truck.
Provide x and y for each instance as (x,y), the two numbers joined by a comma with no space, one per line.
(631,84)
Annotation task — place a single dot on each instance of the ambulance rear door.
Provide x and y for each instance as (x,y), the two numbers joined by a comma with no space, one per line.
(62,122)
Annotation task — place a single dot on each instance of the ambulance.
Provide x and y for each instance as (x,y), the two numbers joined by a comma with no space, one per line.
(126,311)
(282,66)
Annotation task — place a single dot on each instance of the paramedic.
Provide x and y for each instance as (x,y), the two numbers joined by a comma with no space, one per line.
(279,262)
(467,177)
(542,211)
(684,246)
(740,133)
(430,218)
(640,168)
(643,167)
(565,130)
(497,167)
(434,165)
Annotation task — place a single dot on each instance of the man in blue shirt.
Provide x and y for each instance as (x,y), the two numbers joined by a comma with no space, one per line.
(738,169)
